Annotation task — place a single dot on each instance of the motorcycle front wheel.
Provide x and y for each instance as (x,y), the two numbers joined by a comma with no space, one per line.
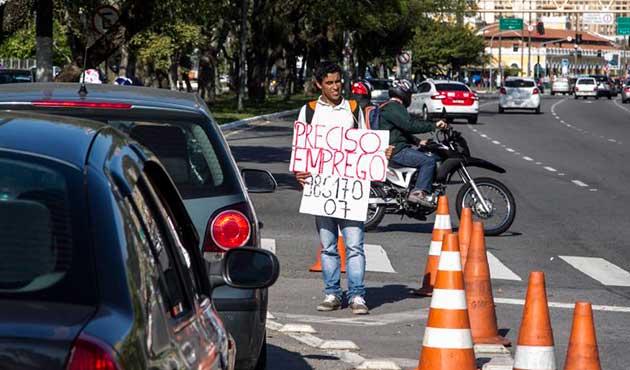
(498,198)
(375,212)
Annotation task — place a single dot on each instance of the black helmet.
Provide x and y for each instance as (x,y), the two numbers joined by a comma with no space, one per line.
(401,89)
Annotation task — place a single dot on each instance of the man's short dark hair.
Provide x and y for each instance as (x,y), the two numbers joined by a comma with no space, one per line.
(325,68)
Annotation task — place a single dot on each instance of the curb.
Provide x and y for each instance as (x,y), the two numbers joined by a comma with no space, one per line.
(239,123)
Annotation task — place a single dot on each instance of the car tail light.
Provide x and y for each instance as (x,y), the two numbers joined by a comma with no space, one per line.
(536,91)
(475,97)
(438,97)
(594,89)
(79,104)
(628,89)
(503,91)
(228,228)
(576,89)
(91,353)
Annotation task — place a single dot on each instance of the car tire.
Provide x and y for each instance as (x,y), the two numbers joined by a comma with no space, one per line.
(261,364)
(553,93)
(537,110)
(586,97)
(597,98)
(473,120)
(609,97)
(575,97)
(501,110)
(425,113)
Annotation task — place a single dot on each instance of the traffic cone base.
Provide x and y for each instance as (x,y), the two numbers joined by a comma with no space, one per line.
(443,358)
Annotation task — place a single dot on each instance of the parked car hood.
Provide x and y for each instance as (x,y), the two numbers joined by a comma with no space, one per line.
(39,335)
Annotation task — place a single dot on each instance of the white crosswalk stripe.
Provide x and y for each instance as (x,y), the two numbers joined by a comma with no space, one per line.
(607,273)
(600,270)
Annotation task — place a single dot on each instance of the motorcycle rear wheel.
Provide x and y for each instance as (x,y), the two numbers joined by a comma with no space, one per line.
(375,212)
(500,218)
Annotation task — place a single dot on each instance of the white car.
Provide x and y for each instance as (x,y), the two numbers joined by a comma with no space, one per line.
(560,86)
(445,99)
(520,93)
(586,87)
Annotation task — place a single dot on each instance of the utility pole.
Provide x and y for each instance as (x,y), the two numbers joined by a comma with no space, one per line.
(522,51)
(529,41)
(241,59)
(500,66)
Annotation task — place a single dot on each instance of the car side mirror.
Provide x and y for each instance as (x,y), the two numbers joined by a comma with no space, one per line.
(259,181)
(250,268)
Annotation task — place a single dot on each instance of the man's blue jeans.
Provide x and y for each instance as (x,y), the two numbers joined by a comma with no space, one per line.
(352,232)
(424,162)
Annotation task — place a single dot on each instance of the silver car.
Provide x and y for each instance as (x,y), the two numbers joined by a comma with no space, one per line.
(560,86)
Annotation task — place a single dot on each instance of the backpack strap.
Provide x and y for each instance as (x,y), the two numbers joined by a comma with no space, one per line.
(368,112)
(310,111)
(354,108)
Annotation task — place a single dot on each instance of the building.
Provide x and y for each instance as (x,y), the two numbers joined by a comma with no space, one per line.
(552,53)
(558,14)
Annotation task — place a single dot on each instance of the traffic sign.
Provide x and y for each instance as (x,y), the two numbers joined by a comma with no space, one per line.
(565,62)
(104,18)
(623,26)
(404,57)
(510,24)
(597,18)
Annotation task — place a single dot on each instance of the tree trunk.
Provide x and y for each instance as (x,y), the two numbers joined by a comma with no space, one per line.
(242,56)
(44,40)
(124,60)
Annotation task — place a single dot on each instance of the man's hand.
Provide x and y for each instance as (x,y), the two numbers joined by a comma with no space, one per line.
(441,124)
(423,142)
(388,152)
(301,178)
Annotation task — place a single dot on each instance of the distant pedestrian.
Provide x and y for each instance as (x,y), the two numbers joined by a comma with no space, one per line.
(331,109)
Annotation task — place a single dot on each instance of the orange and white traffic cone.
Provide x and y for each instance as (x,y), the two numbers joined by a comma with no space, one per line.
(481,310)
(535,349)
(447,342)
(582,353)
(341,249)
(441,227)
(464,232)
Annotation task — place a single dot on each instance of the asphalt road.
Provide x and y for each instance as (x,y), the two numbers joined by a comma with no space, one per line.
(568,170)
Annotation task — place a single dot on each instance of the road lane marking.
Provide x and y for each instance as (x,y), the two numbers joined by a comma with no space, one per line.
(600,270)
(500,271)
(521,302)
(376,259)
(612,140)
(550,169)
(496,142)
(268,244)
(592,189)
(539,163)
(621,106)
(579,183)
(509,150)
(527,158)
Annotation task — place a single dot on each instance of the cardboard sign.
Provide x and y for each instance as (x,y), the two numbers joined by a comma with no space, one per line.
(336,150)
(342,162)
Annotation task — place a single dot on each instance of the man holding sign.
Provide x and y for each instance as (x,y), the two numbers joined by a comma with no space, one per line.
(334,158)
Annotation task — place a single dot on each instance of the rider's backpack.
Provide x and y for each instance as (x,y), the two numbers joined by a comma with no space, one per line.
(354,107)
(372,116)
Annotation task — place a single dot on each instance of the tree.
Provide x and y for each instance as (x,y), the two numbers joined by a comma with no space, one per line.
(44,40)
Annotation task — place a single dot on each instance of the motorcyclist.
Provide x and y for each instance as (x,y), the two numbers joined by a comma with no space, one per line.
(395,118)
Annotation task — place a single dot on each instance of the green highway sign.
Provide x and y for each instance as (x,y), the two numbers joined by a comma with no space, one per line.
(623,26)
(510,24)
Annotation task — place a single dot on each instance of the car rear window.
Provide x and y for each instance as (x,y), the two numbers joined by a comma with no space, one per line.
(43,254)
(15,77)
(451,87)
(586,82)
(192,154)
(519,83)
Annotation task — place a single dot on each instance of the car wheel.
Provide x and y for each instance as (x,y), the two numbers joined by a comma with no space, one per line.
(609,97)
(501,110)
(472,120)
(538,110)
(597,98)
(586,97)
(553,93)
(575,97)
(425,113)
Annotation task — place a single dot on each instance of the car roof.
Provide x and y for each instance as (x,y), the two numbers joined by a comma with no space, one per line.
(514,78)
(63,138)
(445,82)
(136,95)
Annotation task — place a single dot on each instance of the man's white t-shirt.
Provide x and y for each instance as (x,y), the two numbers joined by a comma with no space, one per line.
(329,115)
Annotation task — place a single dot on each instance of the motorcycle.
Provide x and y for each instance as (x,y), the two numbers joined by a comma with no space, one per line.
(489,199)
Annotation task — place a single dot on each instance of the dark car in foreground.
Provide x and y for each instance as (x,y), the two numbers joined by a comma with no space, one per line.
(10,76)
(178,128)
(99,264)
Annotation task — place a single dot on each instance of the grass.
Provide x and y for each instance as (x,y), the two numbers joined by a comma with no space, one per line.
(224,108)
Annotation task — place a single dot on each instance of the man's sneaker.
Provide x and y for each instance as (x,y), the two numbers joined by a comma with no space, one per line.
(358,306)
(420,197)
(330,303)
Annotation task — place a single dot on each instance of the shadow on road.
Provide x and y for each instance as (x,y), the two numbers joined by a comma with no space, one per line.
(423,228)
(378,296)
(286,359)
